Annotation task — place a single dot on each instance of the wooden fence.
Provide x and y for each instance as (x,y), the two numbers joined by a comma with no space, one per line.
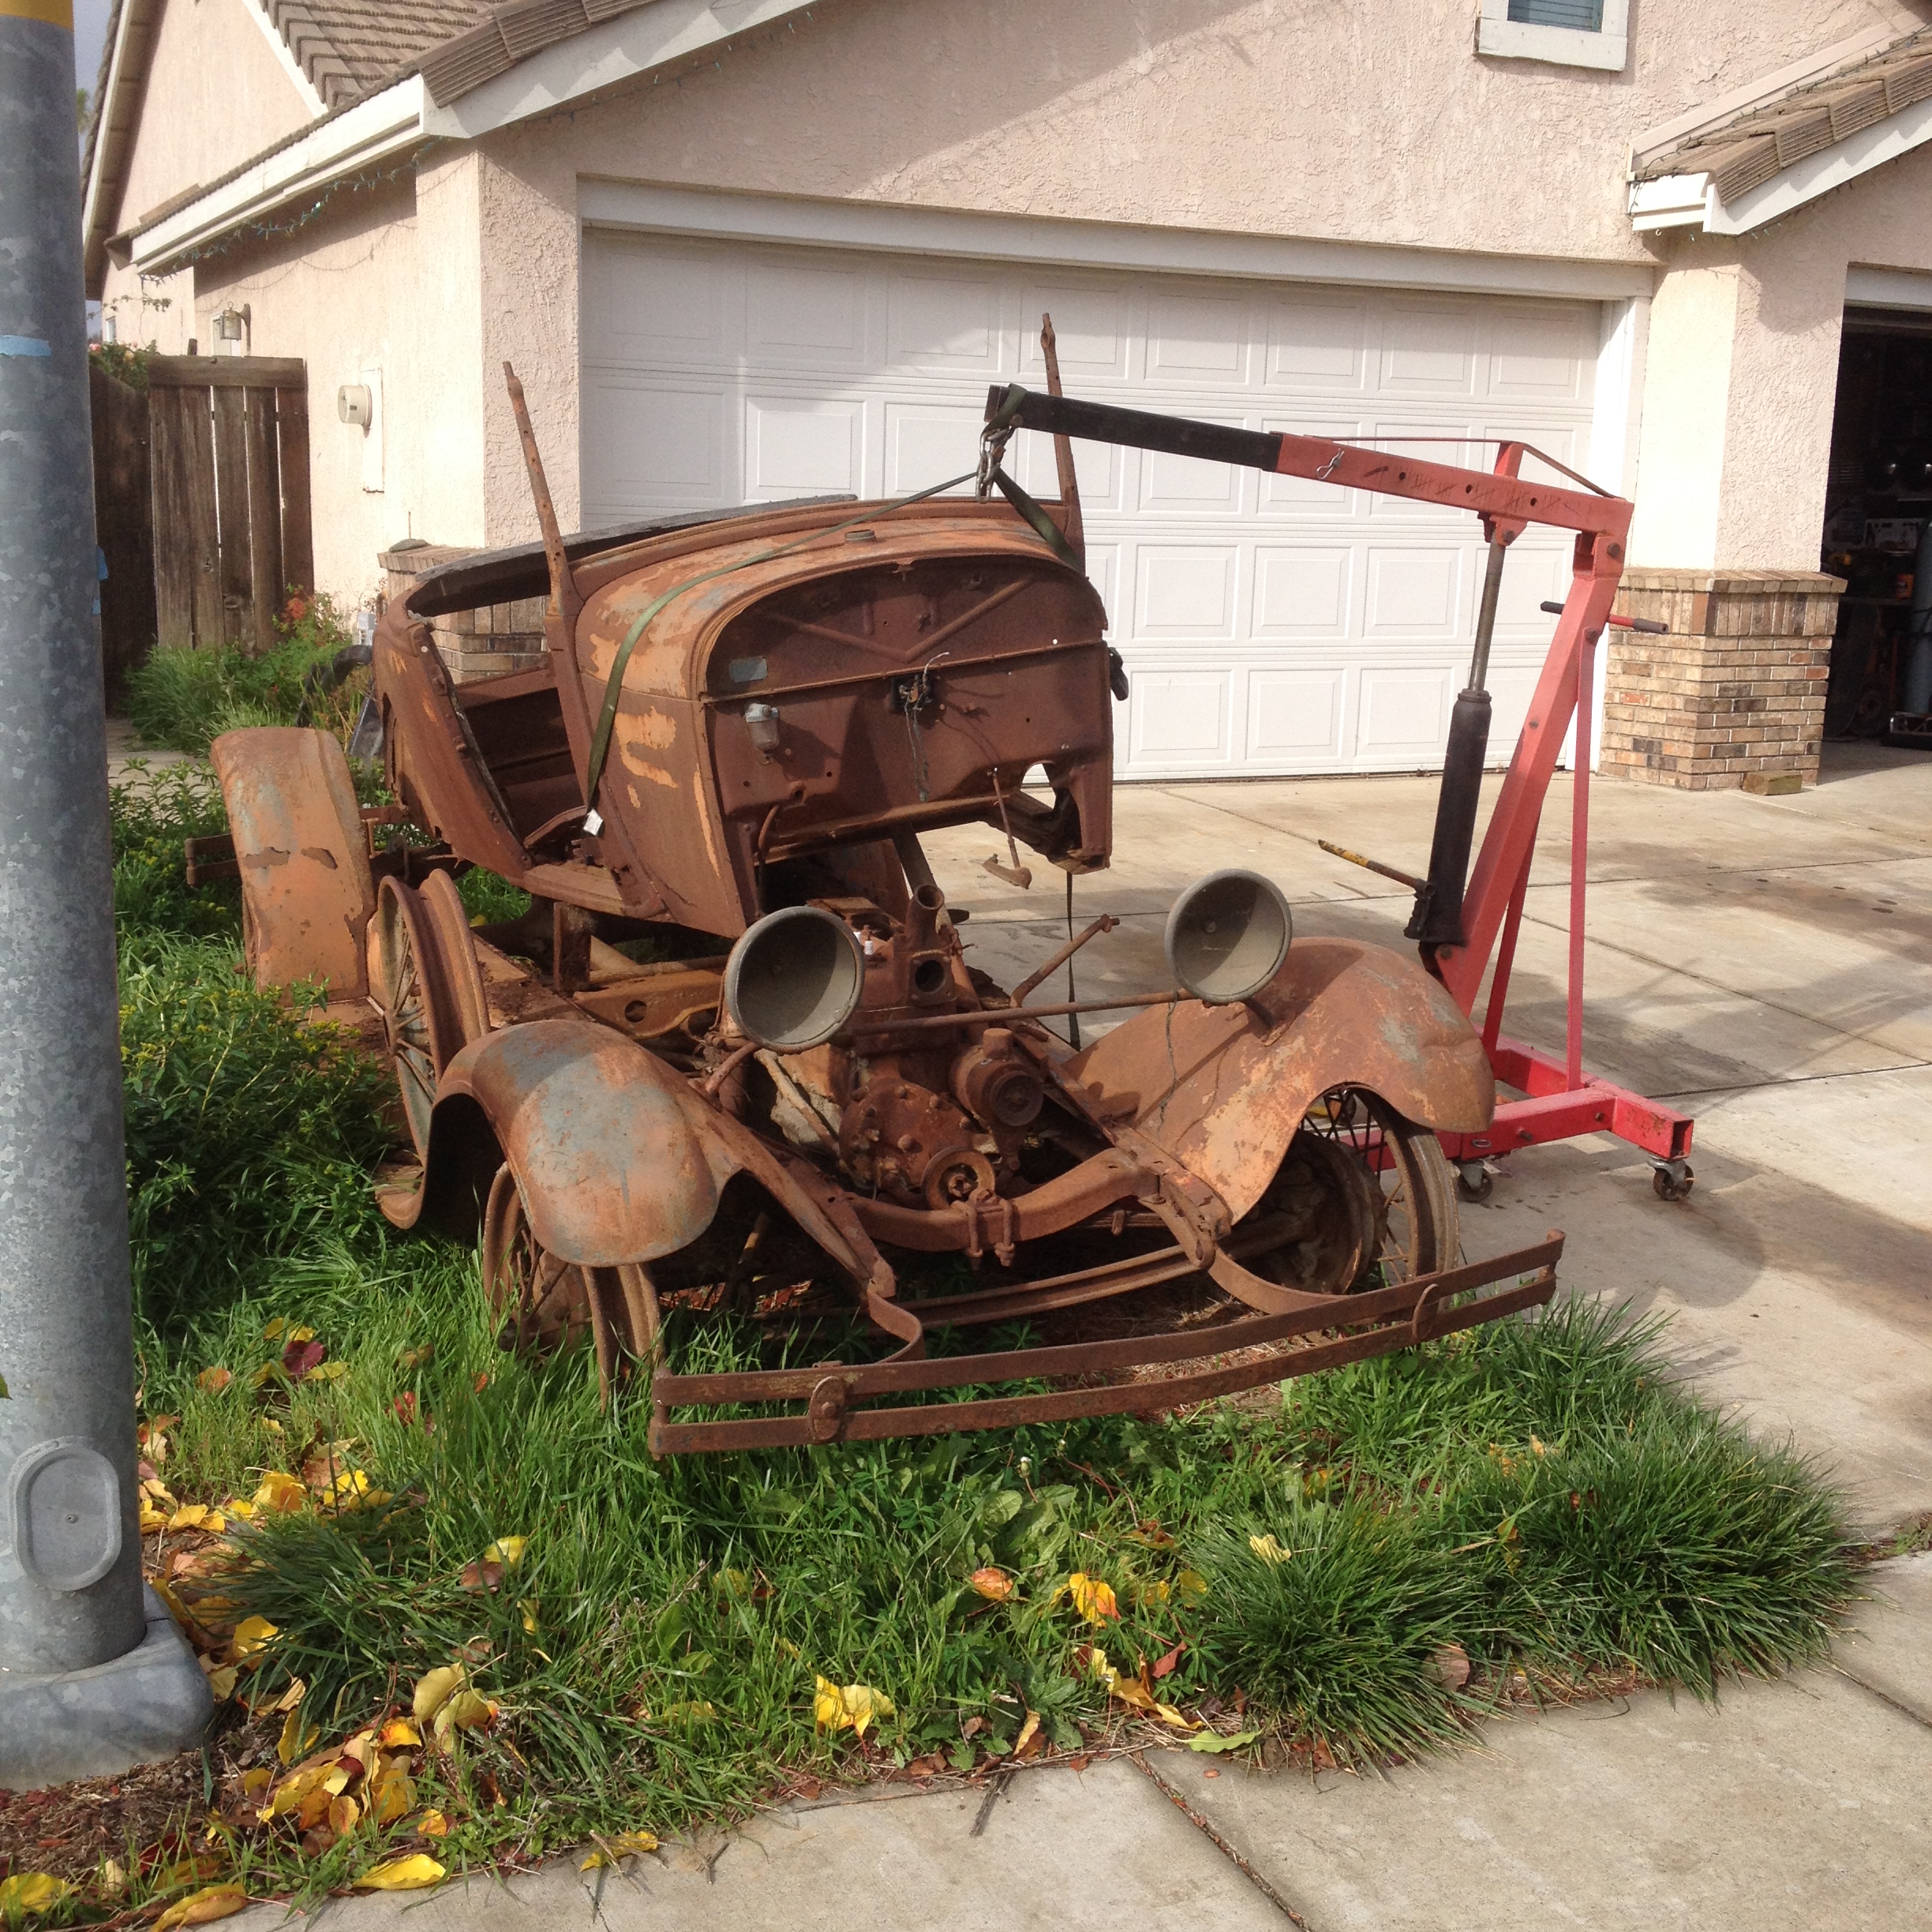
(123,525)
(229,444)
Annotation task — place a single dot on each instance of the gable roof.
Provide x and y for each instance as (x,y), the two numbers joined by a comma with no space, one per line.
(348,47)
(1733,154)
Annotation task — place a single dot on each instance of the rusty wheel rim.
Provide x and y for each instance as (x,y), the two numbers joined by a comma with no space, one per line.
(1412,1228)
(1365,1197)
(542,1301)
(422,1022)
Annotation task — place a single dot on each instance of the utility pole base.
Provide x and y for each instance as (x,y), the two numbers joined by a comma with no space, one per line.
(134,1709)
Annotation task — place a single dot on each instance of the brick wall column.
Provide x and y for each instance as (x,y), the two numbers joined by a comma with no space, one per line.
(1735,694)
(490,641)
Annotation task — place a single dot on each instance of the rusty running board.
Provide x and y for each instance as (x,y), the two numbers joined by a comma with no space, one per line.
(1375,1323)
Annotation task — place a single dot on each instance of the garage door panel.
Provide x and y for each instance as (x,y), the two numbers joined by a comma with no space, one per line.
(1537,355)
(659,446)
(943,322)
(1092,330)
(1511,685)
(1196,338)
(1270,623)
(1316,345)
(1303,590)
(1186,590)
(794,447)
(1428,350)
(637,313)
(1413,592)
(809,315)
(1181,718)
(1404,713)
(1295,718)
(926,443)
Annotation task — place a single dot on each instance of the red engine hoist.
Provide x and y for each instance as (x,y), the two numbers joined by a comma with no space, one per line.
(1463,917)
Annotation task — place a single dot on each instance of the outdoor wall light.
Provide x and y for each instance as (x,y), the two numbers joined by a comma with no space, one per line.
(234,325)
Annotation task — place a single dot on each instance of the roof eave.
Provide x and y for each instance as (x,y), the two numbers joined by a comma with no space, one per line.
(1670,200)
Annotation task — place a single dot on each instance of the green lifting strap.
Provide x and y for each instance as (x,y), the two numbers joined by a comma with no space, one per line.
(613,689)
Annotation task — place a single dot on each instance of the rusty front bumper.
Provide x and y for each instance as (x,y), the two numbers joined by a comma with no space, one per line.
(1093,1374)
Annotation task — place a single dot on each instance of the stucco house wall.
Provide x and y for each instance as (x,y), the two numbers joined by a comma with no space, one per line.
(219,95)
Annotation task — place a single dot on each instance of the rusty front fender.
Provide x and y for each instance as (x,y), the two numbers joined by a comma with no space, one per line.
(618,1160)
(1223,1088)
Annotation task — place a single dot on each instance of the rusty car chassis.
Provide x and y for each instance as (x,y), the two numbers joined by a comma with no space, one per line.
(735,1061)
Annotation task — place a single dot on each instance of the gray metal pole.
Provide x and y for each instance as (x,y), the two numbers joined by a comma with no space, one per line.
(90,1682)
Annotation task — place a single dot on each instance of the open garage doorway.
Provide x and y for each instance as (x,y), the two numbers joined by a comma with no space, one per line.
(1878,530)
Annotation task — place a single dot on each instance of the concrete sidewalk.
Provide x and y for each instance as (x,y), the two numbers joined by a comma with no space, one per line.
(1763,962)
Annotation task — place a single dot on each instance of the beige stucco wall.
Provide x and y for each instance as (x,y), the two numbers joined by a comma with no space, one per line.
(392,286)
(216,94)
(1743,374)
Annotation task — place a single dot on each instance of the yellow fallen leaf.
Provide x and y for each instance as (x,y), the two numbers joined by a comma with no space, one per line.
(327,1371)
(529,1616)
(397,1734)
(222,1682)
(402,1874)
(32,1892)
(238,1510)
(289,1698)
(433,1824)
(197,1516)
(1029,1731)
(203,1908)
(1134,1693)
(156,1491)
(152,1521)
(114,1877)
(435,1690)
(613,1850)
(686,1711)
(214,1380)
(1191,1586)
(1093,1599)
(343,1814)
(391,1794)
(297,1788)
(271,1331)
(850,1707)
(280,1492)
(256,1780)
(994,1585)
(1267,1549)
(465,1710)
(253,1635)
(508,1551)
(298,1738)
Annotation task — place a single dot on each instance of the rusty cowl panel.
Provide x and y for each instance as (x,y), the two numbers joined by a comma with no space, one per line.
(1223,1088)
(617,1159)
(306,892)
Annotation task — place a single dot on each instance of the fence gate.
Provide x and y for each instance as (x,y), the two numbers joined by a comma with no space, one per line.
(229,441)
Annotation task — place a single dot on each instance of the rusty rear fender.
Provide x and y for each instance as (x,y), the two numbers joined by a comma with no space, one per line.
(617,1159)
(1223,1088)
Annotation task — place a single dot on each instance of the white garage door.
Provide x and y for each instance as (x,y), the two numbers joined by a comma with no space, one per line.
(1270,626)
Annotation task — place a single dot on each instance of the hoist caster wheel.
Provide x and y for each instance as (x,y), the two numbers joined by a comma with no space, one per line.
(1670,1187)
(1474,1182)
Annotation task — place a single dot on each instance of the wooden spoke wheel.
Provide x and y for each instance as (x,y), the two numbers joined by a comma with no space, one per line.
(1364,1198)
(423,980)
(546,1304)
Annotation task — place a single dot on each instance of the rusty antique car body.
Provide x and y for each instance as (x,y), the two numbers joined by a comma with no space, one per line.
(804,1107)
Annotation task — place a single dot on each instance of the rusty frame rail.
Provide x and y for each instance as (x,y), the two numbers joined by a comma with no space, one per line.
(1376,1323)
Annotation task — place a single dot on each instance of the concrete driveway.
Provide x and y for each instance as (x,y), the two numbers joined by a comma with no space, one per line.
(1764,962)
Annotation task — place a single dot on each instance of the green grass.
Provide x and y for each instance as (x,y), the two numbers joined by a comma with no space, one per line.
(1539,1493)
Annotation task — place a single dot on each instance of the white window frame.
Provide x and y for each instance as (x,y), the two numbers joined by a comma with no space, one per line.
(1566,46)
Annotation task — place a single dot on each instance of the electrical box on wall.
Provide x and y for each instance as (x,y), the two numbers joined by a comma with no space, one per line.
(352,405)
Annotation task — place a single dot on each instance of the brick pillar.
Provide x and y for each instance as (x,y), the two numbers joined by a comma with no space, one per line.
(1735,694)
(489,641)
